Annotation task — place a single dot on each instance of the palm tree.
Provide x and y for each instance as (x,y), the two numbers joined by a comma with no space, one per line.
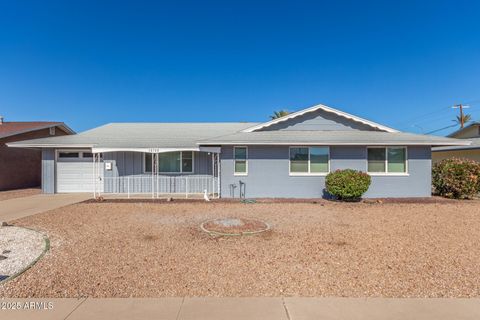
(279,114)
(464,118)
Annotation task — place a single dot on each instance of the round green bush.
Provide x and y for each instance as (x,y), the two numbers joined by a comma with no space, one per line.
(456,178)
(347,184)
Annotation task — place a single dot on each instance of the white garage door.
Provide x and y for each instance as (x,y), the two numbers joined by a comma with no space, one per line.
(75,172)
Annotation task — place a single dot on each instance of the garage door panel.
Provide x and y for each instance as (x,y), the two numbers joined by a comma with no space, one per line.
(76,176)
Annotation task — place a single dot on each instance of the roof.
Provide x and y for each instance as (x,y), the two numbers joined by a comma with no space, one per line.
(8,129)
(453,134)
(331,138)
(326,109)
(139,135)
(151,137)
(475,145)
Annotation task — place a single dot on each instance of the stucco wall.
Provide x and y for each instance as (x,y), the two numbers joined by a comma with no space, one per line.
(469,154)
(268,173)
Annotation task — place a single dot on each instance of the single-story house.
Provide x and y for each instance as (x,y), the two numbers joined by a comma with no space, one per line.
(285,157)
(21,168)
(472,152)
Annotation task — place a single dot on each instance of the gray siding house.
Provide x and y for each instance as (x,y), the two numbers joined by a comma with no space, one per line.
(287,157)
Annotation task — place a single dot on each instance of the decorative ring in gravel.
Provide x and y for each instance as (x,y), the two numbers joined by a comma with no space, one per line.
(234,227)
(20,248)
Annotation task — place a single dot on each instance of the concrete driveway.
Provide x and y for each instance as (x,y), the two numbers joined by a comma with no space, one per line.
(17,208)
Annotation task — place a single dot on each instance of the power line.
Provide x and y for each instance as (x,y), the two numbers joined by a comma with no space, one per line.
(450,126)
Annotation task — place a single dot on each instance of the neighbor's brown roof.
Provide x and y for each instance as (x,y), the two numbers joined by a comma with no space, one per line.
(8,129)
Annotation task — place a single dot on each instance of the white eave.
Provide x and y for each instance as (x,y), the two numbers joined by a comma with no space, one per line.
(335,143)
(35,145)
(324,108)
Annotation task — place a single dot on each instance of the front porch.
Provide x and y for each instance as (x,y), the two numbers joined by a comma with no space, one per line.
(156,173)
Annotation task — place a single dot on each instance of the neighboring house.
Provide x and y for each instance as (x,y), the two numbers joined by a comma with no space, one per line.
(470,132)
(286,157)
(21,168)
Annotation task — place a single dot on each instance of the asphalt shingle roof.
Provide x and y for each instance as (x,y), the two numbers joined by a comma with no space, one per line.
(12,128)
(141,135)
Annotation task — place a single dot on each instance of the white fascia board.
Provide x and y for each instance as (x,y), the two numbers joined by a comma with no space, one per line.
(320,107)
(32,145)
(145,150)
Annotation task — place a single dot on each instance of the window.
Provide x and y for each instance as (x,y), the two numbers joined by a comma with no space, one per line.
(87,155)
(52,131)
(68,154)
(387,160)
(240,157)
(171,162)
(309,160)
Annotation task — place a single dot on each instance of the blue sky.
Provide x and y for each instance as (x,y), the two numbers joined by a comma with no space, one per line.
(400,63)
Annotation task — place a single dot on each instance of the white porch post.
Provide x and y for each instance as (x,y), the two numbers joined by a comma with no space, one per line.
(156,170)
(213,174)
(218,175)
(153,174)
(94,175)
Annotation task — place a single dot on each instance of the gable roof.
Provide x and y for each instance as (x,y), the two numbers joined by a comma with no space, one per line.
(324,108)
(453,134)
(8,129)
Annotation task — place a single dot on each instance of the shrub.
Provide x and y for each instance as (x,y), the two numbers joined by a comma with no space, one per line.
(456,178)
(347,184)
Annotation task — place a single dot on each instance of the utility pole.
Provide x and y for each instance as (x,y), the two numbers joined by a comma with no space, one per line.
(461,107)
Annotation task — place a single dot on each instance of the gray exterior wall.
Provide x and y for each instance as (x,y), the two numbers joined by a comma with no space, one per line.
(48,170)
(268,174)
(318,120)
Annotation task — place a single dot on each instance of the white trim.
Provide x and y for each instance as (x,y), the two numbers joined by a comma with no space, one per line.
(145,150)
(246,162)
(324,108)
(309,173)
(173,173)
(30,145)
(386,173)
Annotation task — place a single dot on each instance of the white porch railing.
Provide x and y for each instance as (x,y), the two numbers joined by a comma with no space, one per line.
(160,185)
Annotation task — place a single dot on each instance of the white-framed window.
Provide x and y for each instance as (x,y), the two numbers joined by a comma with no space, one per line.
(74,154)
(170,162)
(387,160)
(240,157)
(309,160)
(52,131)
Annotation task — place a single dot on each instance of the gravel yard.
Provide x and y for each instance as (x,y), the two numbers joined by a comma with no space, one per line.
(19,247)
(313,249)
(19,193)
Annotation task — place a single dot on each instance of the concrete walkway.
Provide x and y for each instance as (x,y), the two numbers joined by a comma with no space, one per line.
(242,308)
(17,208)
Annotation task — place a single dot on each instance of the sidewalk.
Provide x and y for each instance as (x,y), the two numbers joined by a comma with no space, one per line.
(247,308)
(17,208)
